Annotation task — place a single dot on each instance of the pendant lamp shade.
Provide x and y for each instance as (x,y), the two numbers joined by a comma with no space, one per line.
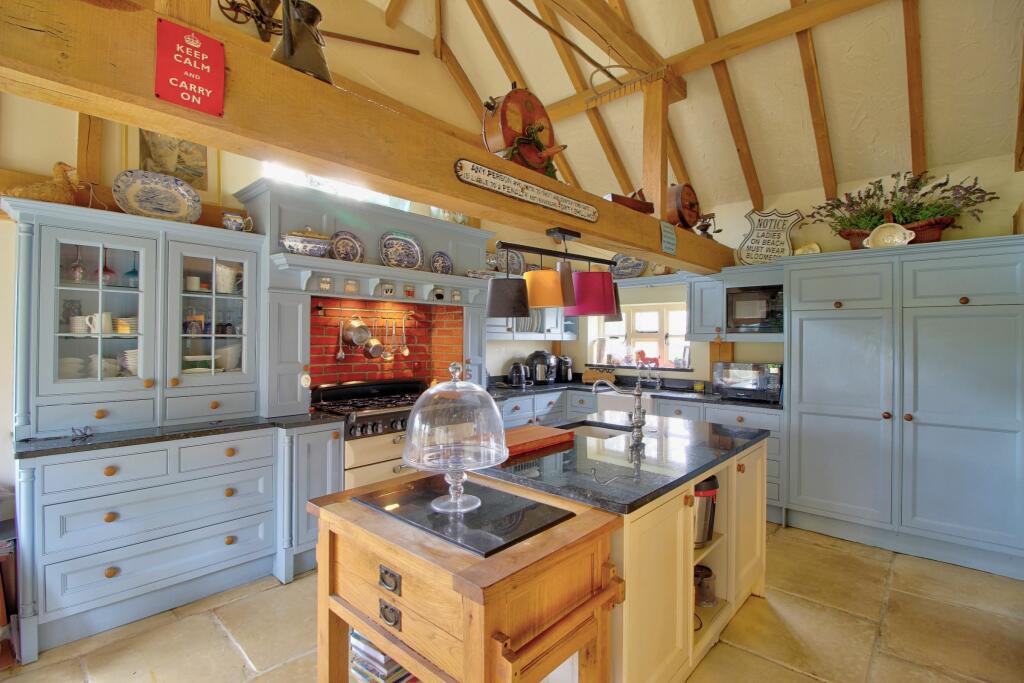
(564,269)
(595,294)
(617,316)
(506,298)
(543,288)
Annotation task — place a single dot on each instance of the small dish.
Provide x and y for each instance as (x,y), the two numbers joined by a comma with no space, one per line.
(156,195)
(401,250)
(889,235)
(345,246)
(441,263)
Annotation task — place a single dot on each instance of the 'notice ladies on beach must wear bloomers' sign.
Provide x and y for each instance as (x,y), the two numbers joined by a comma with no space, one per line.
(768,238)
(189,68)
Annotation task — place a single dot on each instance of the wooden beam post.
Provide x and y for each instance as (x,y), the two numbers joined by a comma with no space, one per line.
(655,152)
(461,79)
(438,27)
(90,148)
(192,12)
(732,109)
(812,80)
(1018,150)
(915,86)
(393,12)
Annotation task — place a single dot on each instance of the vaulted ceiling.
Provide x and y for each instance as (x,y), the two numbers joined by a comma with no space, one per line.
(970,52)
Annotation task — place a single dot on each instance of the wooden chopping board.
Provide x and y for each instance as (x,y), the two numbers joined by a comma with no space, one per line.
(529,438)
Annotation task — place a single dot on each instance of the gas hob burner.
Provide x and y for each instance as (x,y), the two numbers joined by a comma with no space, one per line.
(370,408)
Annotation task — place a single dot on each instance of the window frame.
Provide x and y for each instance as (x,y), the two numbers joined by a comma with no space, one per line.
(662,337)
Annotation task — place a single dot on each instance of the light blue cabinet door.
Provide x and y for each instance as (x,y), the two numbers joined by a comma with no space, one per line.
(985,279)
(864,285)
(474,345)
(287,355)
(706,306)
(963,451)
(841,384)
(318,471)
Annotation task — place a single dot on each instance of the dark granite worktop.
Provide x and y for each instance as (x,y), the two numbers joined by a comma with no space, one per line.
(35,448)
(682,393)
(596,471)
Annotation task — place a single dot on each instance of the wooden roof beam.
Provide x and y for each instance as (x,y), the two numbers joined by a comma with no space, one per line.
(393,12)
(762,32)
(915,84)
(812,80)
(508,64)
(579,82)
(603,93)
(65,54)
(732,109)
(461,80)
(655,153)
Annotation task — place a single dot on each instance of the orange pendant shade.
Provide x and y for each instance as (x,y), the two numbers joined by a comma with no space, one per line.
(544,289)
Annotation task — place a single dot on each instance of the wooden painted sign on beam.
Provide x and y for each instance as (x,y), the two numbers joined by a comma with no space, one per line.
(479,175)
(189,68)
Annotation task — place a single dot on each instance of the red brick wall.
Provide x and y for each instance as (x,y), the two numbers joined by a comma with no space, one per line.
(434,336)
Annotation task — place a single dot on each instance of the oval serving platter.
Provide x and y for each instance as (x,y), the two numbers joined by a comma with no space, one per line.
(441,263)
(627,266)
(155,195)
(510,259)
(401,250)
(345,246)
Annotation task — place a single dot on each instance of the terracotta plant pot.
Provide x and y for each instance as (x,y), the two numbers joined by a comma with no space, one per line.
(929,230)
(855,237)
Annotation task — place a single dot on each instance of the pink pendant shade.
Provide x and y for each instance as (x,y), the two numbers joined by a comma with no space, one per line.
(595,294)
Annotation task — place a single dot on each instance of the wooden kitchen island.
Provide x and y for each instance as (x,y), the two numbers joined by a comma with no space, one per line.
(613,583)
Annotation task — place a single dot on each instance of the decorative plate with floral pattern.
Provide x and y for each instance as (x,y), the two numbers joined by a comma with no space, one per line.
(401,250)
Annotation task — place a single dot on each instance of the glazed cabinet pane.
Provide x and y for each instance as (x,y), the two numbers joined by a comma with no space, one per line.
(211,305)
(97,322)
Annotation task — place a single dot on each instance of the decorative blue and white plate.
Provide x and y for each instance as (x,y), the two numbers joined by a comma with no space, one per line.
(627,266)
(401,250)
(441,263)
(510,259)
(155,195)
(345,246)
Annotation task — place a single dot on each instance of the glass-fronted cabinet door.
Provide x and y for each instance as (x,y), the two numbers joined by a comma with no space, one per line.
(97,305)
(211,314)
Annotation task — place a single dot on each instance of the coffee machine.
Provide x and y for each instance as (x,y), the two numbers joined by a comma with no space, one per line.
(517,375)
(564,373)
(542,366)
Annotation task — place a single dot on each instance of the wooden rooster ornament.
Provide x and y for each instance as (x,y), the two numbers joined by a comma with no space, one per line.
(61,189)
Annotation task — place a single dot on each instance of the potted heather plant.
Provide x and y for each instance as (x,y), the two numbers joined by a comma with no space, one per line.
(914,201)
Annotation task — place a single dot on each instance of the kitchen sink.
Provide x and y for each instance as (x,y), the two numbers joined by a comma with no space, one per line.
(598,432)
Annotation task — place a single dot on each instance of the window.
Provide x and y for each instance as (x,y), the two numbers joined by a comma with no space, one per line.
(647,332)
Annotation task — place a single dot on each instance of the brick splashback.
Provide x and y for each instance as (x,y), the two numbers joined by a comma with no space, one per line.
(434,334)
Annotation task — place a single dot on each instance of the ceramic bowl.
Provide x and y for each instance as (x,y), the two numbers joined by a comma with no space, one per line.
(228,357)
(306,242)
(888,235)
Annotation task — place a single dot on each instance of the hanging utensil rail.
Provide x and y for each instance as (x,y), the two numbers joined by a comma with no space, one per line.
(369,313)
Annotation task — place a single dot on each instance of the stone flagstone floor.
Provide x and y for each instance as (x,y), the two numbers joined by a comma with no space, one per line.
(834,611)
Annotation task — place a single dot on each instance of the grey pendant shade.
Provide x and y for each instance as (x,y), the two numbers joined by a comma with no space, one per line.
(506,298)
(564,269)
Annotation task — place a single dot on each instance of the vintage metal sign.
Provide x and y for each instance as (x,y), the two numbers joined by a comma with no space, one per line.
(189,68)
(473,173)
(768,238)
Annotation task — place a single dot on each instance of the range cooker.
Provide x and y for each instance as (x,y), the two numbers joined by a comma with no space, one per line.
(370,408)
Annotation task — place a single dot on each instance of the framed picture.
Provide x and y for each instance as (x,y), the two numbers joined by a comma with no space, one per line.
(180,158)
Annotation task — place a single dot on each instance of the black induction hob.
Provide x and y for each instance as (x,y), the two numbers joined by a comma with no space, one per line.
(501,521)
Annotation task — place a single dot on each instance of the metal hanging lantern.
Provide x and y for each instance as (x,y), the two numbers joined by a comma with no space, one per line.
(301,46)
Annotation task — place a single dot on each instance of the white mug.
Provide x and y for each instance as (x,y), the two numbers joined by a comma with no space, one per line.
(93,322)
(192,283)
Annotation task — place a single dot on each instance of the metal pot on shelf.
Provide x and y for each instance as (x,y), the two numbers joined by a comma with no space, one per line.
(705,495)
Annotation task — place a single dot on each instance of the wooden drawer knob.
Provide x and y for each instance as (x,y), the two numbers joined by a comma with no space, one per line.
(230,452)
(305,368)
(110,517)
(887,415)
(739,418)
(230,540)
(550,403)
(214,405)
(688,500)
(837,304)
(515,409)
(718,329)
(174,381)
(148,383)
(111,572)
(110,470)
(965,300)
(335,435)
(741,467)
(228,492)
(581,402)
(100,414)
(678,411)
(908,417)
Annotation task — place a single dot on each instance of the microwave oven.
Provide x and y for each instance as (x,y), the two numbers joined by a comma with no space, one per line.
(754,310)
(748,381)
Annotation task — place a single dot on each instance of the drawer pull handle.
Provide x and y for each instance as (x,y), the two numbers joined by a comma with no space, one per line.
(110,470)
(335,435)
(837,304)
(148,383)
(688,500)
(228,492)
(964,300)
(718,329)
(887,415)
(741,467)
(111,572)
(110,517)
(678,411)
(100,414)
(515,409)
(550,403)
(908,417)
(174,381)
(230,540)
(397,469)
(390,615)
(230,452)
(214,405)
(581,402)
(739,418)
(389,580)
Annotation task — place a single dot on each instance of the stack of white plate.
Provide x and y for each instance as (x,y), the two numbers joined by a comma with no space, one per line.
(126,325)
(129,360)
(111,368)
(70,368)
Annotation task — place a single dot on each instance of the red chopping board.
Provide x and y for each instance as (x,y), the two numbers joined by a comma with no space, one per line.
(530,438)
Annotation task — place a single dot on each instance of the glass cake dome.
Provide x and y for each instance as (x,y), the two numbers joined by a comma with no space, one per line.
(455,426)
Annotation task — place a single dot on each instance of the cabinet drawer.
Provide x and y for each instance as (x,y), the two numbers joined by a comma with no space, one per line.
(115,574)
(772,493)
(122,515)
(113,469)
(545,404)
(579,402)
(517,408)
(98,415)
(685,411)
(774,447)
(964,280)
(371,474)
(860,286)
(746,418)
(226,452)
(361,452)
(214,405)
(773,469)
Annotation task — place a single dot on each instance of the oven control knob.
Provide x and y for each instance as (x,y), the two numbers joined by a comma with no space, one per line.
(396,424)
(378,427)
(364,429)
(353,430)
(402,423)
